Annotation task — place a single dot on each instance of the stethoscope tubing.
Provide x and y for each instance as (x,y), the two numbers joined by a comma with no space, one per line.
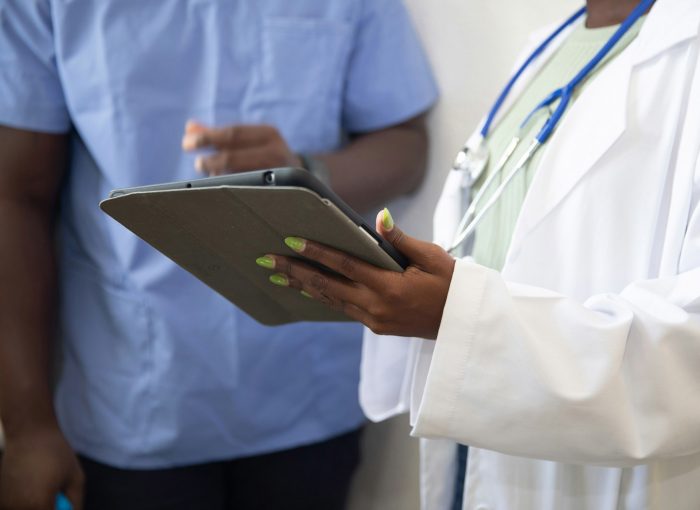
(466,231)
(493,112)
(471,210)
(566,93)
(471,220)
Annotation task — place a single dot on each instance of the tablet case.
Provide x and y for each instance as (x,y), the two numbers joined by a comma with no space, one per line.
(217,234)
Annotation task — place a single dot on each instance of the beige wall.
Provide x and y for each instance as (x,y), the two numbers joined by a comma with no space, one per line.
(472,44)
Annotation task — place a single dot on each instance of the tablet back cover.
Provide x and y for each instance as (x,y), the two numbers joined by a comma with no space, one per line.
(217,234)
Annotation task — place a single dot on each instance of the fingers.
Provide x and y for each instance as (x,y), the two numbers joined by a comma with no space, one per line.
(238,148)
(328,299)
(326,296)
(350,267)
(74,490)
(408,304)
(357,314)
(237,161)
(193,126)
(354,312)
(355,301)
(229,137)
(427,256)
(336,292)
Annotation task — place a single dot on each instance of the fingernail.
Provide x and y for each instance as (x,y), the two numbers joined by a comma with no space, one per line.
(267,262)
(199,165)
(295,243)
(191,141)
(280,280)
(387,220)
(192,125)
(306,294)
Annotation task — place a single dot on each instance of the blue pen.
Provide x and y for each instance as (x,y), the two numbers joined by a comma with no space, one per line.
(62,503)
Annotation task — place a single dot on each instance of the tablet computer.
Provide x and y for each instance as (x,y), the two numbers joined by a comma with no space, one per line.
(216,227)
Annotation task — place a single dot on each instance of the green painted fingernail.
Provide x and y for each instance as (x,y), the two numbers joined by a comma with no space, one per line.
(266,262)
(387,220)
(306,294)
(295,243)
(280,279)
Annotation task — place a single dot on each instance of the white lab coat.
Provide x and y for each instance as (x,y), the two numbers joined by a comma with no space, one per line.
(575,373)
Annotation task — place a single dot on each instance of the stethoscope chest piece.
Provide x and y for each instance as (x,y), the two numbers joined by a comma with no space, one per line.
(472,161)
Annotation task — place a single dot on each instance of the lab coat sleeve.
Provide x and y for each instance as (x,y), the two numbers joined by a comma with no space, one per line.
(386,373)
(525,371)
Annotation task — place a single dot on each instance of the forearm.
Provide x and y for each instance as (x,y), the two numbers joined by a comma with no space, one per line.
(31,170)
(379,166)
(27,308)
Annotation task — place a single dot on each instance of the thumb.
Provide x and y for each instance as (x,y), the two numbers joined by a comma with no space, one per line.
(193,126)
(74,491)
(418,252)
(194,135)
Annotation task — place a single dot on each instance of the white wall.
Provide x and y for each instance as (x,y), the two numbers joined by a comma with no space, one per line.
(472,45)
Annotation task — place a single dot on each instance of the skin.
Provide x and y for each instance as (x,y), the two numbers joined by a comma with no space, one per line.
(604,13)
(388,302)
(408,304)
(38,462)
(393,160)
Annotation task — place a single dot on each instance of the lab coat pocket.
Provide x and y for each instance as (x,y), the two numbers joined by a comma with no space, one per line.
(302,58)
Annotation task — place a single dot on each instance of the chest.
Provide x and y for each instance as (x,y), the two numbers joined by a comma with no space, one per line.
(610,201)
(202,53)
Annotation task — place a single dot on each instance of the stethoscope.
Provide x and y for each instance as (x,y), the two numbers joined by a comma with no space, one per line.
(474,156)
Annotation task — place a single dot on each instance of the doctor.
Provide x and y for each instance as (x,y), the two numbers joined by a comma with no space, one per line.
(571,363)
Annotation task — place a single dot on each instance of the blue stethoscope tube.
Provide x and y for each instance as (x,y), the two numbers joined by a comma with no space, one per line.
(564,94)
(486,128)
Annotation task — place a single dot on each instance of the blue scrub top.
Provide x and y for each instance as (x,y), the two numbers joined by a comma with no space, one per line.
(157,369)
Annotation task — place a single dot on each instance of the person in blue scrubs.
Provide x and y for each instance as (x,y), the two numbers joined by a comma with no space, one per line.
(166,396)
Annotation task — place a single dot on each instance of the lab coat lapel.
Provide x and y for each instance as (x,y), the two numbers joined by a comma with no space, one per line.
(598,118)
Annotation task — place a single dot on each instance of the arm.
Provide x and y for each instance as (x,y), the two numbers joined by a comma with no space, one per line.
(374,167)
(38,462)
(387,88)
(380,165)
(613,381)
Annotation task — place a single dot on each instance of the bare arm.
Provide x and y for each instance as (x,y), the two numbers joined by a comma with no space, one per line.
(373,168)
(381,165)
(38,462)
(29,178)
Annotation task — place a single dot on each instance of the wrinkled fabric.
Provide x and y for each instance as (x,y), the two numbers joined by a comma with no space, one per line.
(573,374)
(157,369)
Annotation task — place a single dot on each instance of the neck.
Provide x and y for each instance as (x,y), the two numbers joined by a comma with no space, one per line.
(605,13)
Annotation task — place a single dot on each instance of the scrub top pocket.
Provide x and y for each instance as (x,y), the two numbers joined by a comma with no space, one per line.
(297,82)
(302,58)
